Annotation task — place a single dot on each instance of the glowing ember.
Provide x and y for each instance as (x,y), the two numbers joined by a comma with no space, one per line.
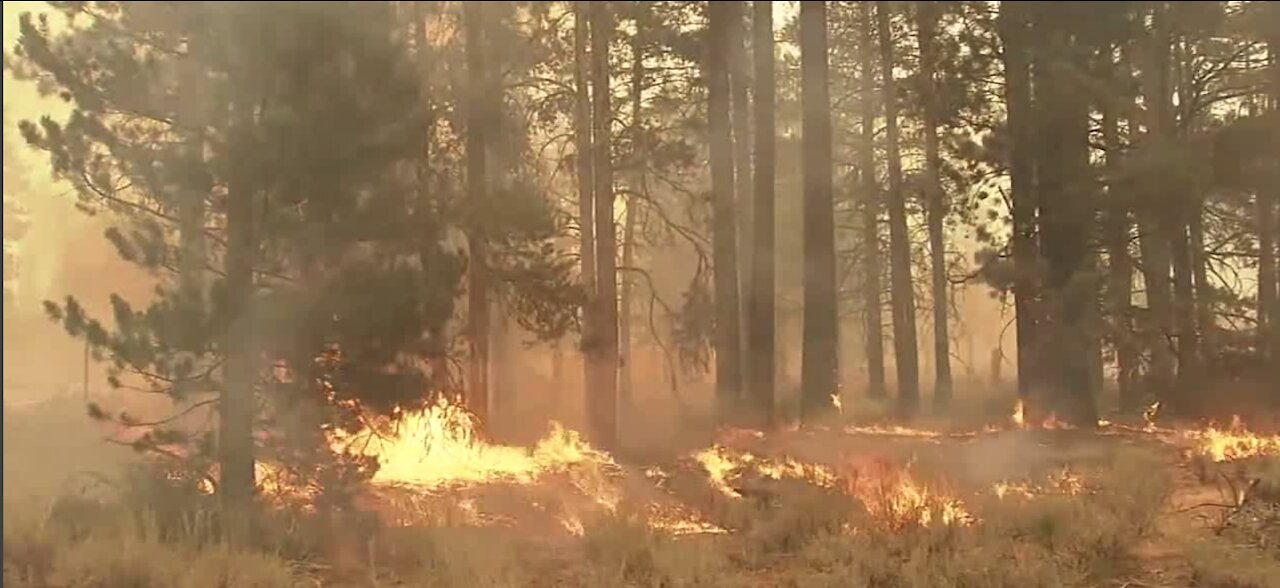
(1233,443)
(1019,414)
(438,447)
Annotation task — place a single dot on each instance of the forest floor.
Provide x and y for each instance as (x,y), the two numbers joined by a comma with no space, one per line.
(840,506)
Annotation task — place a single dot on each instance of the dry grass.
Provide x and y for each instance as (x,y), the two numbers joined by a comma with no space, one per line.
(152,533)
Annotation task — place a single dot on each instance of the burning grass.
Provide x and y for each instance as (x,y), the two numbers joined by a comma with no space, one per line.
(857,506)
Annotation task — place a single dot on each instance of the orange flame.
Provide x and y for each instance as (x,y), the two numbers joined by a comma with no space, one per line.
(1019,414)
(1233,443)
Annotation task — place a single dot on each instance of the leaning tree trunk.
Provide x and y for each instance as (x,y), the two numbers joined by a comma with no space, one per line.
(586,193)
(603,401)
(903,297)
(926,23)
(818,377)
(724,245)
(761,331)
(477,189)
(871,206)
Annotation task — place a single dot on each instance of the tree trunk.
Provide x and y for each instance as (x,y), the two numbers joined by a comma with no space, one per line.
(1152,220)
(761,331)
(1120,266)
(739,83)
(586,193)
(724,245)
(1267,322)
(603,401)
(926,23)
(477,189)
(633,207)
(819,364)
(1015,35)
(1066,209)
(902,295)
(871,206)
(236,407)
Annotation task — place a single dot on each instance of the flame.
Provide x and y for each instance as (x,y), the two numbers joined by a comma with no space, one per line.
(835,401)
(1065,482)
(438,447)
(897,501)
(1233,443)
(1019,414)
(892,431)
(722,463)
(1149,416)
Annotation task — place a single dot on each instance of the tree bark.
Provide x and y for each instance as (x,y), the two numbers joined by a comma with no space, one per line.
(724,245)
(761,331)
(1266,273)
(633,206)
(819,364)
(1153,222)
(603,401)
(1015,35)
(477,188)
(903,296)
(926,24)
(739,83)
(1066,219)
(584,153)
(236,483)
(871,207)
(1120,266)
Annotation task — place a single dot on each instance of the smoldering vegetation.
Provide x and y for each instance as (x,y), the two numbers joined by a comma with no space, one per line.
(366,294)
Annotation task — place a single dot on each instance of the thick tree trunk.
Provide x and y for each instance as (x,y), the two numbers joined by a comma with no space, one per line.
(240,373)
(1120,266)
(902,295)
(603,401)
(477,189)
(584,154)
(761,331)
(739,83)
(1154,222)
(818,371)
(1066,209)
(926,23)
(1015,35)
(871,207)
(727,336)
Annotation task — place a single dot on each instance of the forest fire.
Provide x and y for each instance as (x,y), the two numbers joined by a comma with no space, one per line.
(893,498)
(1065,482)
(1233,443)
(439,447)
(896,501)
